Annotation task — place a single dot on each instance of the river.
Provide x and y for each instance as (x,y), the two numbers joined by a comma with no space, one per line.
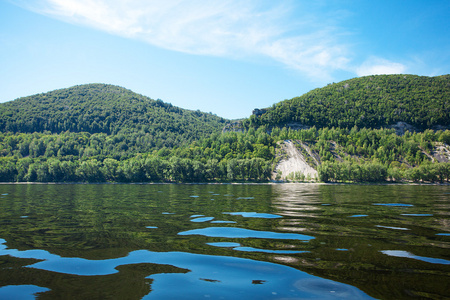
(224,241)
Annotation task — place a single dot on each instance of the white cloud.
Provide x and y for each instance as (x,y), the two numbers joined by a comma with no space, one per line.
(380,66)
(226,28)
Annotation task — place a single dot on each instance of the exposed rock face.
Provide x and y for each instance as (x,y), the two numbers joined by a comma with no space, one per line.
(233,126)
(294,162)
(441,153)
(257,112)
(297,126)
(402,127)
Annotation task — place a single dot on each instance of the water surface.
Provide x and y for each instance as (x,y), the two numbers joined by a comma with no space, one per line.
(287,241)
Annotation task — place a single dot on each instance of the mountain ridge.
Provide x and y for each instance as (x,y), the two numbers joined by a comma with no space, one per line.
(372,101)
(103,108)
(105,133)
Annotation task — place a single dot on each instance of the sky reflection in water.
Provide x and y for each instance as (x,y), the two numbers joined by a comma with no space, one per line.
(23,292)
(232,232)
(399,253)
(206,275)
(247,244)
(253,215)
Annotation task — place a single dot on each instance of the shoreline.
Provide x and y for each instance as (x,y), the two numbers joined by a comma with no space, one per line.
(225,183)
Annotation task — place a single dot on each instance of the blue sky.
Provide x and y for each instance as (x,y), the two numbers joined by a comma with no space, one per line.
(225,57)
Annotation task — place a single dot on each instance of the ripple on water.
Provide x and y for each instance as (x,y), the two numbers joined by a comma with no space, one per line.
(391,227)
(224,244)
(223,222)
(251,249)
(401,253)
(26,291)
(417,215)
(238,247)
(327,289)
(394,204)
(233,232)
(202,219)
(237,276)
(253,215)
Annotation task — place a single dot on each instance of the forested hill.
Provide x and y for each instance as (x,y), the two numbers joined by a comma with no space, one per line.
(371,102)
(101,108)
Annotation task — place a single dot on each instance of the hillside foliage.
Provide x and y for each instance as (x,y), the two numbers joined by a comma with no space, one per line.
(104,133)
(108,109)
(358,155)
(371,102)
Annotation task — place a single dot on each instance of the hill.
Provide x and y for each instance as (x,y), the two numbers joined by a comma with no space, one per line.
(371,102)
(109,109)
(105,133)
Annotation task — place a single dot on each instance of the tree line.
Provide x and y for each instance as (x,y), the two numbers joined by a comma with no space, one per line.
(377,172)
(343,155)
(136,169)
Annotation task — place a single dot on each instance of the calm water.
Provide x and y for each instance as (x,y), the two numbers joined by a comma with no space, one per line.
(287,241)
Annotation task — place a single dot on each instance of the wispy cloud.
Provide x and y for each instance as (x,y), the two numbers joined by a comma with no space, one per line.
(380,66)
(305,42)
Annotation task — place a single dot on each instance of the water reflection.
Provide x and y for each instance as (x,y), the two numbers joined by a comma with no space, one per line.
(237,276)
(253,215)
(238,247)
(21,291)
(233,232)
(202,219)
(392,227)
(394,204)
(399,253)
(297,200)
(136,241)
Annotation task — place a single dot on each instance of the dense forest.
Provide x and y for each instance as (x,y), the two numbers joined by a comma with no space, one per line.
(371,102)
(108,109)
(104,133)
(358,155)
